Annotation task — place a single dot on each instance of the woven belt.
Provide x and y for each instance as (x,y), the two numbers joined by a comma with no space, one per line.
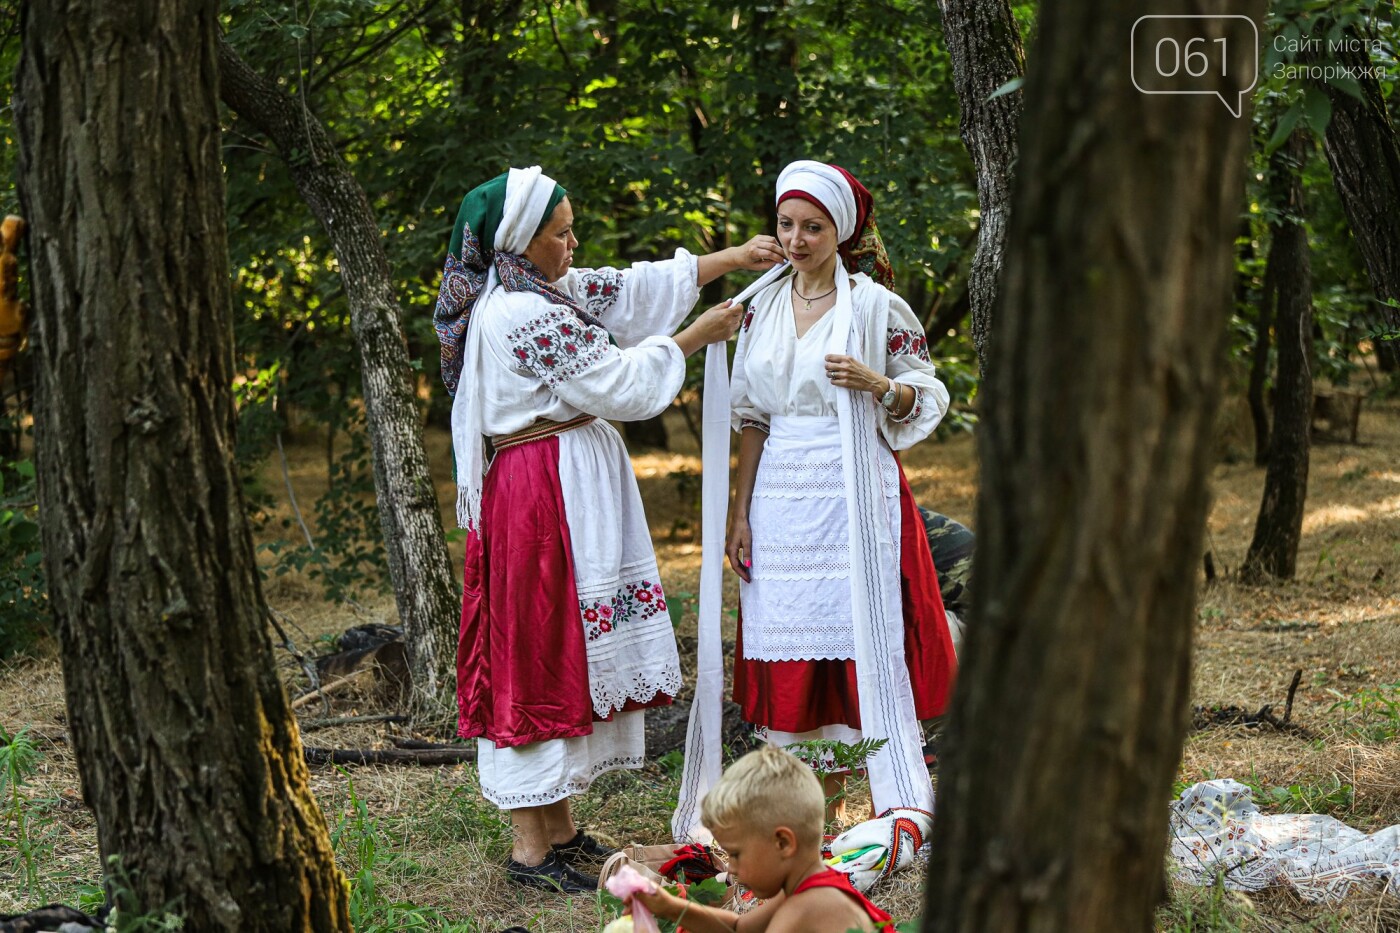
(539,431)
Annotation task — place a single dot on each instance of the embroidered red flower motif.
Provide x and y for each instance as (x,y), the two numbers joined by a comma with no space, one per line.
(656,588)
(566,329)
(592,289)
(748,319)
(605,626)
(609,290)
(543,341)
(589,336)
(571,348)
(605,611)
(661,604)
(548,360)
(521,354)
(644,595)
(896,342)
(590,615)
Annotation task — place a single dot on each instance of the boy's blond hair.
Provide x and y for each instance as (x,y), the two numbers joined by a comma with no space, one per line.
(766,789)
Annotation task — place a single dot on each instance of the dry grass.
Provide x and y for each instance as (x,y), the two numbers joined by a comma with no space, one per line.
(435,842)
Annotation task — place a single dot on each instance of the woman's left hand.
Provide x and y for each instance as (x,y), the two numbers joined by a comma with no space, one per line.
(762,252)
(848,373)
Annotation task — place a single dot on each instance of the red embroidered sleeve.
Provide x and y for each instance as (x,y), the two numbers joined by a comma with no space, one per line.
(907,340)
(557,346)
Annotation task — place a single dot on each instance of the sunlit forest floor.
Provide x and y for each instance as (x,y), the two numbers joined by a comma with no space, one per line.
(428,840)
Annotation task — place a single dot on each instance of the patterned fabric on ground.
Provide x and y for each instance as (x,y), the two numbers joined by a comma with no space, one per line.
(952,546)
(880,847)
(1219,834)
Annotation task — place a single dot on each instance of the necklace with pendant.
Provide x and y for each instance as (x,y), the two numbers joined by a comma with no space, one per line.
(808,305)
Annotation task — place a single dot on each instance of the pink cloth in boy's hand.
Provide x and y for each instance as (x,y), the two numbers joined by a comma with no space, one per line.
(623,885)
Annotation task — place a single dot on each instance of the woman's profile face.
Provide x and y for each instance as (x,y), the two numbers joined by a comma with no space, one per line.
(552,249)
(806,233)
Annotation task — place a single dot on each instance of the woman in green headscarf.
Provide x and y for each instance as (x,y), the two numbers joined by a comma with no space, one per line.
(565,635)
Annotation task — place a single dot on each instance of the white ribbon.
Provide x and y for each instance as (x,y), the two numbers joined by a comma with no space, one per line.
(898,775)
(703,762)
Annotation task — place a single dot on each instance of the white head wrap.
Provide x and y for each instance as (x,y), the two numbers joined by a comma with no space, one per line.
(528,191)
(828,186)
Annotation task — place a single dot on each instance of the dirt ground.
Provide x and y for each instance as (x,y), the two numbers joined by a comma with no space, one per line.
(430,840)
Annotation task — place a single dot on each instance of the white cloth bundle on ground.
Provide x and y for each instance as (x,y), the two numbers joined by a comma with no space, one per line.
(880,847)
(1219,833)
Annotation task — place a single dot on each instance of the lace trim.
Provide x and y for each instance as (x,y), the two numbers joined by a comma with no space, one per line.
(610,696)
(792,559)
(797,479)
(574,786)
(801,640)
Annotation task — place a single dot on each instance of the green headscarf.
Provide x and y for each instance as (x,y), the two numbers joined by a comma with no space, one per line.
(483,208)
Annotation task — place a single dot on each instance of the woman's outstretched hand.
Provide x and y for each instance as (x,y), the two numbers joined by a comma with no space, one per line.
(712,326)
(738,547)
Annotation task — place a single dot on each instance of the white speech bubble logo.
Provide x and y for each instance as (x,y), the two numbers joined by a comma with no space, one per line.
(1183,58)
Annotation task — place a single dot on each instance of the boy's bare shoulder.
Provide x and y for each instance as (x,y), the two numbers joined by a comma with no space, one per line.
(820,910)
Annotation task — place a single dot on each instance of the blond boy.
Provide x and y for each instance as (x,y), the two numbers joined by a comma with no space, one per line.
(766,813)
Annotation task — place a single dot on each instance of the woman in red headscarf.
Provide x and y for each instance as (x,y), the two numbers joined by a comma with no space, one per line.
(842,632)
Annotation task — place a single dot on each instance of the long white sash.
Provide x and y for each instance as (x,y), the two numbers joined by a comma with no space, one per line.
(703,762)
(898,775)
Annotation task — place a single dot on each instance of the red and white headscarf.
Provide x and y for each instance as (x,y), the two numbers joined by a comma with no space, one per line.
(849,206)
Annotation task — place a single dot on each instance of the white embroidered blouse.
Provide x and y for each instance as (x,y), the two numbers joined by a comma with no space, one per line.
(539,360)
(778,373)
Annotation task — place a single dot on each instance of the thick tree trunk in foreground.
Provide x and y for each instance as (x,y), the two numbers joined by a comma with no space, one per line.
(1277,530)
(1363,150)
(188,752)
(985,47)
(424,585)
(1070,710)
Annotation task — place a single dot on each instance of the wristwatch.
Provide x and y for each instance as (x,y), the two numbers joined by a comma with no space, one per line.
(887,400)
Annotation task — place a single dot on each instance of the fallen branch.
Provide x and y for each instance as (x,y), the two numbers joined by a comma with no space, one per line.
(400,741)
(334,686)
(311,725)
(389,756)
(1292,689)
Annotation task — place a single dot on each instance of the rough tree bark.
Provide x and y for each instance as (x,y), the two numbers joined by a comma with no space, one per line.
(1274,550)
(187,749)
(424,585)
(1259,357)
(1363,150)
(1094,443)
(985,47)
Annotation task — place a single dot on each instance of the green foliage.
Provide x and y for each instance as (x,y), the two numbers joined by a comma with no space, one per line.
(831,756)
(347,556)
(362,849)
(25,843)
(1371,713)
(24,601)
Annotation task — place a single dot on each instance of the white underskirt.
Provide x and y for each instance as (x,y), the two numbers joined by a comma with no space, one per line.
(545,772)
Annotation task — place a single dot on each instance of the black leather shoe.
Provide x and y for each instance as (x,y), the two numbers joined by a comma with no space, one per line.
(582,847)
(551,874)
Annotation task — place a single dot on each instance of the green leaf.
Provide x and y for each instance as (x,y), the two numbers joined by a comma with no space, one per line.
(1319,108)
(1348,85)
(1285,127)
(1013,85)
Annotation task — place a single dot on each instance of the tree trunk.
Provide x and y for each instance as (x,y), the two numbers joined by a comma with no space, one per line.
(1259,358)
(1277,530)
(1363,151)
(1094,444)
(985,47)
(188,753)
(424,586)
